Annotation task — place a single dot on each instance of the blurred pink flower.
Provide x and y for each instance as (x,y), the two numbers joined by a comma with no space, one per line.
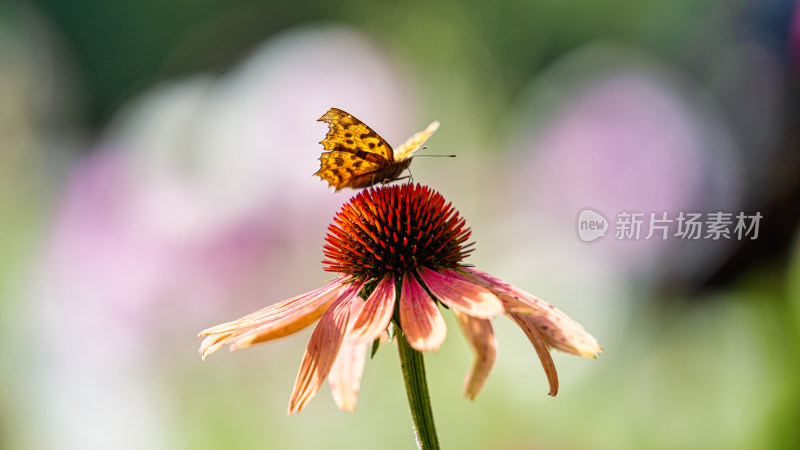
(170,217)
(174,204)
(627,142)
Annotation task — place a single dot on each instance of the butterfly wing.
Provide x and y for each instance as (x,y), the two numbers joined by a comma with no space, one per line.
(357,155)
(344,169)
(346,133)
(413,143)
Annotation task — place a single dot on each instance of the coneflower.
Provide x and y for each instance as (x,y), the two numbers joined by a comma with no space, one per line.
(399,251)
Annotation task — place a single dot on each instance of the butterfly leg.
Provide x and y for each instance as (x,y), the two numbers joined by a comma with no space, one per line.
(410,176)
(407,177)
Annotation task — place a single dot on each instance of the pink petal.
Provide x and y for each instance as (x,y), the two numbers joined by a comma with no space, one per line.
(345,376)
(480,335)
(420,318)
(376,313)
(460,294)
(529,327)
(277,310)
(556,328)
(274,321)
(323,348)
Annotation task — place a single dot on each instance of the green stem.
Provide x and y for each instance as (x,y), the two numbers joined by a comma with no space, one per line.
(417,389)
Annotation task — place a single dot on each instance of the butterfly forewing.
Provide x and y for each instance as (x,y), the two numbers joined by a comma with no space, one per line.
(358,157)
(348,134)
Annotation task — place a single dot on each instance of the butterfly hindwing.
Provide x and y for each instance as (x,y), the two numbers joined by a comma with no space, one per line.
(341,169)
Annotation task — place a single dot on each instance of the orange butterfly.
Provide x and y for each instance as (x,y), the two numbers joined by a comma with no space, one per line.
(357,157)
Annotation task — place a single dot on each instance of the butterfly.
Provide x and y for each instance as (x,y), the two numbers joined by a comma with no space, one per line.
(356,157)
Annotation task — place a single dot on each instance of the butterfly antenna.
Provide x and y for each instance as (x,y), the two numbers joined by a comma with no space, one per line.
(436,156)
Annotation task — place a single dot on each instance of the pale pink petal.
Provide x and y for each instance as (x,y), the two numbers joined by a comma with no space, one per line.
(480,335)
(274,321)
(323,348)
(420,318)
(211,344)
(278,310)
(376,313)
(461,294)
(345,376)
(528,325)
(556,328)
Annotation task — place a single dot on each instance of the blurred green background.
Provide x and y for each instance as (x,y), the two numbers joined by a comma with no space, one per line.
(155,179)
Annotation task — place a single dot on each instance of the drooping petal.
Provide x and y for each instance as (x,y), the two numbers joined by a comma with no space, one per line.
(323,348)
(528,325)
(556,328)
(376,313)
(461,294)
(480,336)
(345,376)
(420,318)
(277,310)
(274,321)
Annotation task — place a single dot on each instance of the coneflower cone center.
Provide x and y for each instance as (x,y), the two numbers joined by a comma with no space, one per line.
(394,229)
